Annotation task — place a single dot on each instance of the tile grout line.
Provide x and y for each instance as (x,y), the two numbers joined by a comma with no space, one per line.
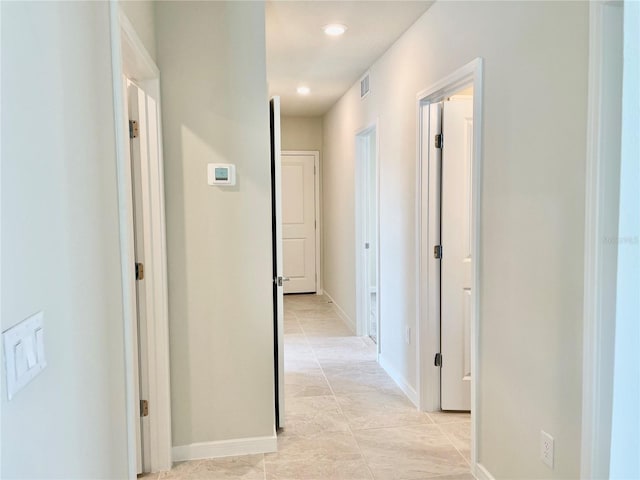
(453,444)
(330,342)
(364,429)
(449,438)
(335,398)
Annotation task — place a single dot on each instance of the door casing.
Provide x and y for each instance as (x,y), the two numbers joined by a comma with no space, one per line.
(602,193)
(131,60)
(427,233)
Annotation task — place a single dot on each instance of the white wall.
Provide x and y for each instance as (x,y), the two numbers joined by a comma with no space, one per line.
(141,14)
(215,109)
(60,246)
(532,232)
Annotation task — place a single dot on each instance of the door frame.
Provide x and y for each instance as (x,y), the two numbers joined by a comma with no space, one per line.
(130,59)
(278,274)
(316,179)
(601,207)
(361,136)
(427,223)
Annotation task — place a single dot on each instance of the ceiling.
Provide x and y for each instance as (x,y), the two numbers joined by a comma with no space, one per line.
(299,52)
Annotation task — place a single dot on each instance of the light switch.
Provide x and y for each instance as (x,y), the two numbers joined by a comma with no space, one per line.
(40,344)
(20,360)
(24,352)
(30,350)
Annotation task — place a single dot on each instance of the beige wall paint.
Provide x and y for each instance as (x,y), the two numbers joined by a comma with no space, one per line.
(141,14)
(60,241)
(532,230)
(215,109)
(338,202)
(301,133)
(305,133)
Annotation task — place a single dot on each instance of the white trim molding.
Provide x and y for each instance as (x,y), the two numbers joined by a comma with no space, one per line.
(131,60)
(226,448)
(481,472)
(348,321)
(427,221)
(125,207)
(601,230)
(402,383)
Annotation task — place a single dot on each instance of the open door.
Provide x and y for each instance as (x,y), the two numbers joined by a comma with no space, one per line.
(371,235)
(139,151)
(278,278)
(455,308)
(367,234)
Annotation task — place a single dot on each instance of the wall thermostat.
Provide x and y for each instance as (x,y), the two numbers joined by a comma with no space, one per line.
(221,174)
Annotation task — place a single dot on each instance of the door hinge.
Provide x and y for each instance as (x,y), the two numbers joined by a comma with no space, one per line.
(438,360)
(315,224)
(438,140)
(437,251)
(144,408)
(139,271)
(366,246)
(134,130)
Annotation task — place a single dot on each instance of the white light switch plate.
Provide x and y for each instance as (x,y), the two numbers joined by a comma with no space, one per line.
(24,352)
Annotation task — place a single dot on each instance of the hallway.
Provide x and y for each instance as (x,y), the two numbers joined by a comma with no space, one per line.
(345,418)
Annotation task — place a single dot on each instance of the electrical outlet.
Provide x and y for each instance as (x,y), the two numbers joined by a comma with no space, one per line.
(407,335)
(546,448)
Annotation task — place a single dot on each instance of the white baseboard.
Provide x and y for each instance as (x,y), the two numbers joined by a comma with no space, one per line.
(400,381)
(481,473)
(351,324)
(225,448)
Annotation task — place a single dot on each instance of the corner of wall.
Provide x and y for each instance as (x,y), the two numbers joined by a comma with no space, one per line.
(348,321)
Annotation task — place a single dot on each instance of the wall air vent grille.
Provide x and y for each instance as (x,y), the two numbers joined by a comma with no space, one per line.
(364,85)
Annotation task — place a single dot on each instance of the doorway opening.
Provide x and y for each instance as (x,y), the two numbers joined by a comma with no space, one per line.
(367,235)
(300,185)
(449,166)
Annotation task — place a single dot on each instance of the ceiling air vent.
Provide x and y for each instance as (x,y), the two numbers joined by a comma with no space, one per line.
(364,85)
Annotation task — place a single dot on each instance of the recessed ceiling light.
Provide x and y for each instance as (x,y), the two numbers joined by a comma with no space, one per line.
(303,90)
(334,29)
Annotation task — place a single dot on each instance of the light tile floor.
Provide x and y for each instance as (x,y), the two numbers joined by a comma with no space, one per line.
(344,417)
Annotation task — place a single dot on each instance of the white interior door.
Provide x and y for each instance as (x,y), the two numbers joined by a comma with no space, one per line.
(278,275)
(139,151)
(367,234)
(299,222)
(457,164)
(371,233)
